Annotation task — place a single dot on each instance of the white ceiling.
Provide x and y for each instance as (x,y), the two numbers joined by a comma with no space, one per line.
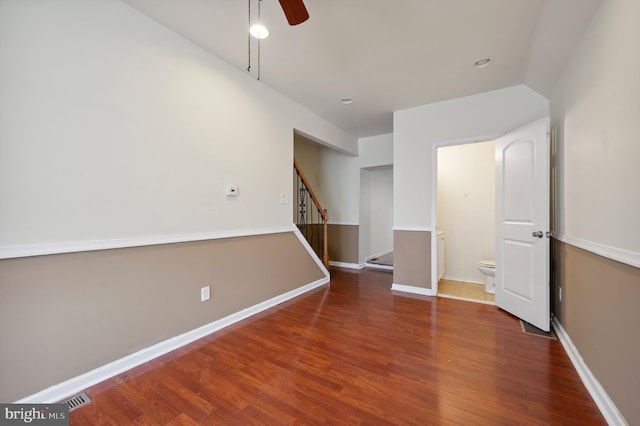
(386,55)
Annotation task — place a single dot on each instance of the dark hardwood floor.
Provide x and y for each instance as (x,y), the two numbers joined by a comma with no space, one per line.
(355,353)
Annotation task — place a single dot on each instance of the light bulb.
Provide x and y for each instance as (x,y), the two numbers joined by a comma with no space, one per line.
(259,31)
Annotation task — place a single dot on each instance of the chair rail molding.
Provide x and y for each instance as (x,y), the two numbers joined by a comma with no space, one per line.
(9,252)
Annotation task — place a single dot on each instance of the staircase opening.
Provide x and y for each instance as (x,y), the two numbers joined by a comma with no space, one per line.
(310,218)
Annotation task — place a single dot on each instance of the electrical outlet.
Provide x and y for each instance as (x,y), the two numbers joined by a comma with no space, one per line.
(205,293)
(560,293)
(284,198)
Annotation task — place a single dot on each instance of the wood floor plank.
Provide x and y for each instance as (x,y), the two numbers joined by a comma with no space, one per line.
(353,353)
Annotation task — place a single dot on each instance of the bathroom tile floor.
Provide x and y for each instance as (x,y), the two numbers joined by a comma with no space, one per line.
(466,291)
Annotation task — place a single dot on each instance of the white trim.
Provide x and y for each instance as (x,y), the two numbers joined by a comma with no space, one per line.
(346,265)
(77,384)
(413,228)
(381,267)
(343,223)
(435,279)
(619,255)
(608,409)
(412,289)
(467,141)
(373,256)
(369,265)
(8,252)
(466,299)
(311,252)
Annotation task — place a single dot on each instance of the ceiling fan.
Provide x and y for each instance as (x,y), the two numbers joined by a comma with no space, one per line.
(295,11)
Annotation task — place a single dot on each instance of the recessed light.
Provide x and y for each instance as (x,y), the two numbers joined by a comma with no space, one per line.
(259,31)
(481,63)
(346,101)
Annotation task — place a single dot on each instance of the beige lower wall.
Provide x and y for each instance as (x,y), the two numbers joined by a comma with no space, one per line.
(600,310)
(412,258)
(63,315)
(343,243)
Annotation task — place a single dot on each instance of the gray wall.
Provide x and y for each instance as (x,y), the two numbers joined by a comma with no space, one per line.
(412,258)
(600,310)
(343,243)
(63,315)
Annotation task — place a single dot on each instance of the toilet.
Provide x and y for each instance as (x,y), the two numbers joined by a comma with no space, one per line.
(488,268)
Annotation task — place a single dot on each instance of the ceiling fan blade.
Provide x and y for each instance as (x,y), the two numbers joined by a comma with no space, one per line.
(295,11)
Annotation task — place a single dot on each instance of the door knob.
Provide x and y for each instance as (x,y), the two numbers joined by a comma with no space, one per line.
(538,234)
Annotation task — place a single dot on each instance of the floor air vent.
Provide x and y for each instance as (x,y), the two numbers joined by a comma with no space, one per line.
(530,329)
(77,401)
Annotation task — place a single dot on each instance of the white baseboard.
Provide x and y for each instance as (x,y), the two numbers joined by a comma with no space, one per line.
(381,267)
(79,383)
(346,265)
(382,253)
(412,289)
(605,404)
(413,228)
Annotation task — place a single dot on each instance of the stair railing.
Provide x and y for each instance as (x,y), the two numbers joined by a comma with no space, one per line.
(312,220)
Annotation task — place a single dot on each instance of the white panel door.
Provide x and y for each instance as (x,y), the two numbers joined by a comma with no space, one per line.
(522,222)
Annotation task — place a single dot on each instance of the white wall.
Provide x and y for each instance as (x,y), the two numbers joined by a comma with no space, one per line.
(307,154)
(376,151)
(341,176)
(596,111)
(376,195)
(379,206)
(466,207)
(417,129)
(364,230)
(334,177)
(114,127)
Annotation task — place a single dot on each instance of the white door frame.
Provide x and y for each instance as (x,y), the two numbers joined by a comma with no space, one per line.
(434,198)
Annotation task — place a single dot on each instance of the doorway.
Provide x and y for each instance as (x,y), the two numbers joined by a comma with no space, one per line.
(465,220)
(376,217)
(521,267)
